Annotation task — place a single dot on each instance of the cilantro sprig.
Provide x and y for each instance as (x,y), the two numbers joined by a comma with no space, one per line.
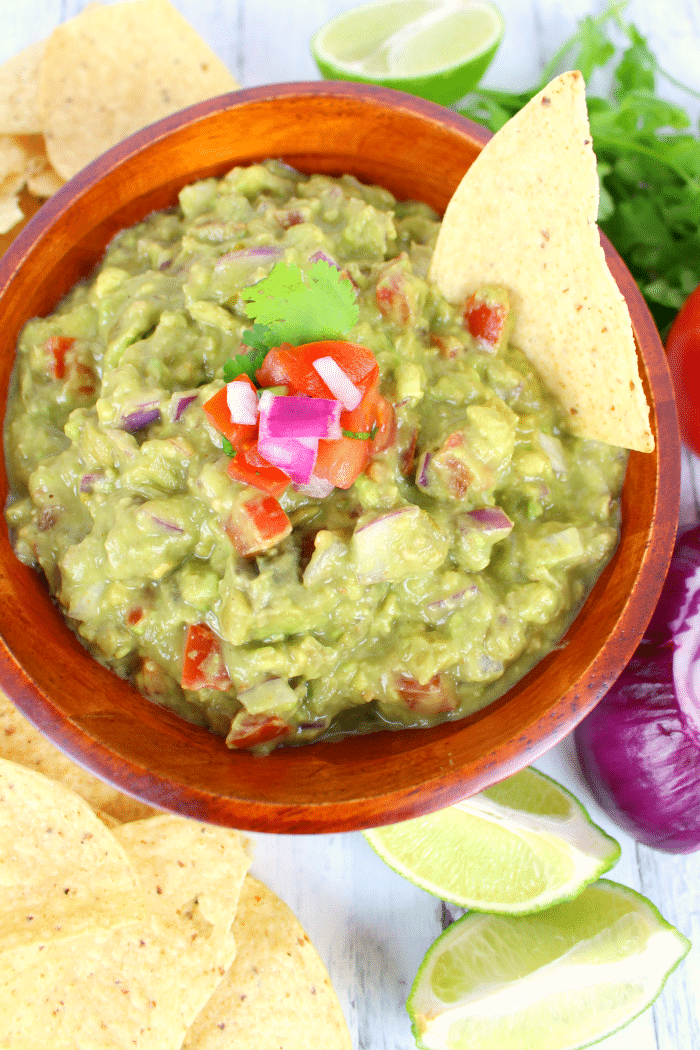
(294,306)
(648,156)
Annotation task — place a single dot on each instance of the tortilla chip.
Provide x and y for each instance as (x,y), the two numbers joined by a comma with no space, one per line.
(10,212)
(21,742)
(61,870)
(524,217)
(19,83)
(113,70)
(141,985)
(45,183)
(278,993)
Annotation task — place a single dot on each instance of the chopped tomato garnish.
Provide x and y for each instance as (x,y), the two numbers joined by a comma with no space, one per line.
(385,421)
(436,696)
(203,665)
(58,346)
(257,525)
(249,467)
(486,318)
(248,730)
(241,435)
(407,440)
(292,366)
(135,616)
(341,462)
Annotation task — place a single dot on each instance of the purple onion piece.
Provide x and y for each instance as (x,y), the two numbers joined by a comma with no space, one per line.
(452,598)
(640,747)
(320,256)
(140,417)
(488,519)
(182,403)
(87,481)
(316,488)
(295,456)
(640,762)
(680,590)
(297,417)
(258,253)
(422,472)
(167,526)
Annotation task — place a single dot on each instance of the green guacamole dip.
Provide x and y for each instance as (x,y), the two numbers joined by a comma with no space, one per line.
(419,594)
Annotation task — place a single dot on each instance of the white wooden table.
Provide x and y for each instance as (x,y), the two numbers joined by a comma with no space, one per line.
(371,927)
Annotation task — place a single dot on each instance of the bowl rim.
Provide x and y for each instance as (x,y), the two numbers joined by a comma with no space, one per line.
(446,786)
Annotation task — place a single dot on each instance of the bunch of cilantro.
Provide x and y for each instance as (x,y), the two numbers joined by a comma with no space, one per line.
(648,159)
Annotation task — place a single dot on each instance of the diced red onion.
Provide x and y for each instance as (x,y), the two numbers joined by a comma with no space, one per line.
(452,599)
(422,472)
(88,480)
(317,488)
(141,417)
(298,417)
(488,519)
(257,253)
(167,526)
(339,384)
(295,456)
(181,404)
(242,402)
(320,256)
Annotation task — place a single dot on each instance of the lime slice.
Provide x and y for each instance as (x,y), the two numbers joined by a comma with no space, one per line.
(438,49)
(556,980)
(516,848)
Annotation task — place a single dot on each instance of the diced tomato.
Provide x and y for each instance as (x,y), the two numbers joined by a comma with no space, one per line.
(135,616)
(448,345)
(484,320)
(249,730)
(385,421)
(393,298)
(292,366)
(249,467)
(203,664)
(58,346)
(257,525)
(436,696)
(341,462)
(241,435)
(407,440)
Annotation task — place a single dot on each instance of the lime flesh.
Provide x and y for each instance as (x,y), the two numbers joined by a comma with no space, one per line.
(516,848)
(558,980)
(438,49)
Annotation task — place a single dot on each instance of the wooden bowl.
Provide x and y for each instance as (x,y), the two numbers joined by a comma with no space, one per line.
(416,150)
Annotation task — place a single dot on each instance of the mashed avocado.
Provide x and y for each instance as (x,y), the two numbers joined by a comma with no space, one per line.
(454,562)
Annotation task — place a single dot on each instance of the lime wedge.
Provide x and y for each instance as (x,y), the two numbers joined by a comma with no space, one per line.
(516,848)
(438,49)
(557,980)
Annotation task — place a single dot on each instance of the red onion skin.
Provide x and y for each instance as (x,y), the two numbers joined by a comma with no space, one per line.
(638,748)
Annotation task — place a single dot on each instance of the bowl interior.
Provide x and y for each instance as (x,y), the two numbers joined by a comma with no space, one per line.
(416,150)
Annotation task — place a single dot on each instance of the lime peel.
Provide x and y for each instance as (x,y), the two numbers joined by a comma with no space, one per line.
(437,49)
(515,849)
(467,992)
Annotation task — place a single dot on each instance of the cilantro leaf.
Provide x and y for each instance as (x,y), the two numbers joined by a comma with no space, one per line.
(246,364)
(227,446)
(299,307)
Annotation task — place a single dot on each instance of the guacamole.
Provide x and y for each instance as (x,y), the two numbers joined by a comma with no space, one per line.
(416,592)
